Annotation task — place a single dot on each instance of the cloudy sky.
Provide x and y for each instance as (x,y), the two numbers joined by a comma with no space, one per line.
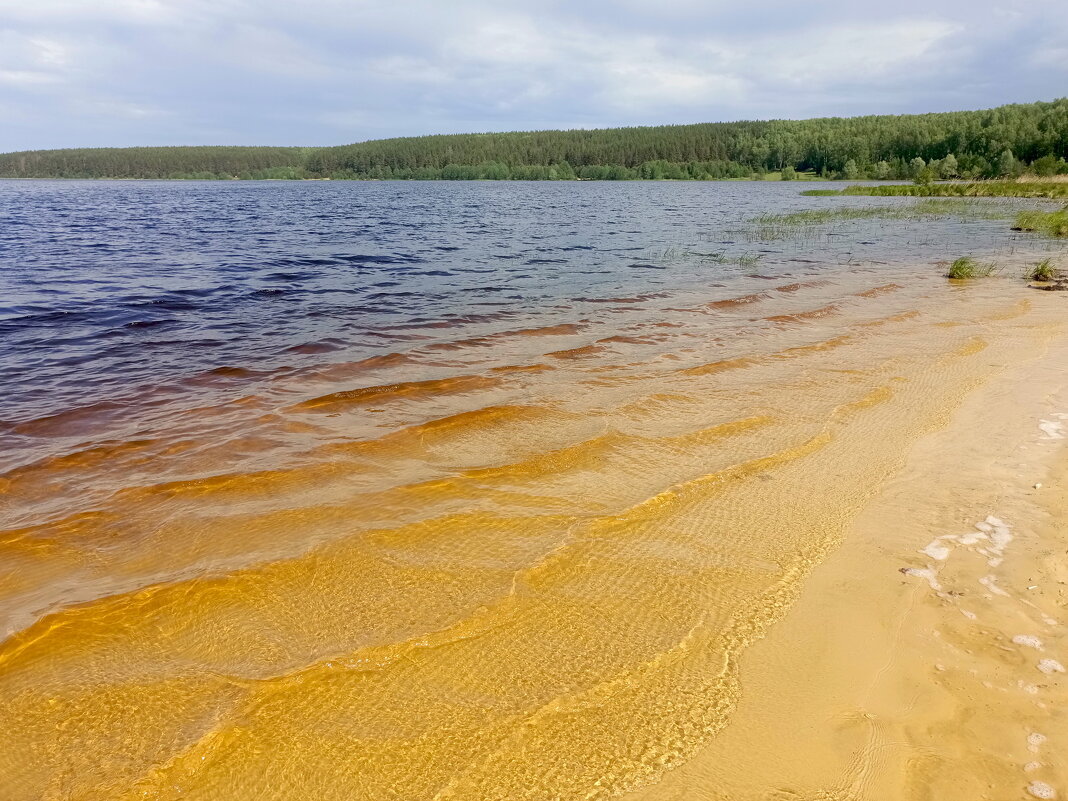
(311,72)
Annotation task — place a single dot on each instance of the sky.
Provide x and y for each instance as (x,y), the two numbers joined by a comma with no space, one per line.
(93,73)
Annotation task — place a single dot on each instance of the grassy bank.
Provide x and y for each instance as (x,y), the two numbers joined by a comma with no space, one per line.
(1050,223)
(1022,189)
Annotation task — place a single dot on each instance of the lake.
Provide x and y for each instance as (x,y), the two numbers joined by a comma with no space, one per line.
(433,490)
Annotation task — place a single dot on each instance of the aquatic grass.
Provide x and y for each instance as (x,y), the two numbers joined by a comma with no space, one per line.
(773,231)
(920,210)
(1043,271)
(821,192)
(1050,223)
(747,259)
(966,268)
(678,254)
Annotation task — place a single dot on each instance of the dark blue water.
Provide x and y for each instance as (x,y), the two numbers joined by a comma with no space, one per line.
(108,286)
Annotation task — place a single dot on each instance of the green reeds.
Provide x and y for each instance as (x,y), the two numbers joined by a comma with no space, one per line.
(1050,190)
(1043,271)
(920,210)
(1050,223)
(966,268)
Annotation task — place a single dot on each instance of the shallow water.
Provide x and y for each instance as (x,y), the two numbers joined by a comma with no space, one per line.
(420,490)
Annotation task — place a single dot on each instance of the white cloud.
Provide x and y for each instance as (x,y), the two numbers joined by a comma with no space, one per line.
(119,11)
(50,53)
(26,77)
(851,52)
(173,71)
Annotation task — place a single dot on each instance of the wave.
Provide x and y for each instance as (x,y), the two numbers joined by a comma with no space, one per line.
(404,389)
(577,353)
(742,300)
(878,291)
(563,329)
(805,316)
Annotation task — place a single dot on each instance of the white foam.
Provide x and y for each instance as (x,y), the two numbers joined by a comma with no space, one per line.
(1041,790)
(1000,538)
(1035,740)
(927,573)
(1052,429)
(1028,640)
(984,527)
(972,537)
(936,550)
(1032,766)
(1050,666)
(969,615)
(990,582)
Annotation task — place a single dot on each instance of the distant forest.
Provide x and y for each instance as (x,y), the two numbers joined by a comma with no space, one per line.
(1001,142)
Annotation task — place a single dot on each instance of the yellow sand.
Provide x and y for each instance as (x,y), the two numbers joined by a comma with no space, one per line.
(668,566)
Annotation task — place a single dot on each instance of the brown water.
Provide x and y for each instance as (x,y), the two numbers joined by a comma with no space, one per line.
(536,570)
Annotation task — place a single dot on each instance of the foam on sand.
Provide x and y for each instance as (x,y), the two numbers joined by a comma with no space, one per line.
(1050,666)
(1028,640)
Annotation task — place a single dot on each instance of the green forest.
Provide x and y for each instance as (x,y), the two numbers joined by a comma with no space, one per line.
(996,143)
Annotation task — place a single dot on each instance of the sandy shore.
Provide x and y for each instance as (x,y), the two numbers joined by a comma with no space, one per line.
(924,658)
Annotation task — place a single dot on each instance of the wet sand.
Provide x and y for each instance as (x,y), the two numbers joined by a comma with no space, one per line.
(783,544)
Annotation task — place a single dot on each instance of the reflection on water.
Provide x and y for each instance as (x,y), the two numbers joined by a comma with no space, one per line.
(434,491)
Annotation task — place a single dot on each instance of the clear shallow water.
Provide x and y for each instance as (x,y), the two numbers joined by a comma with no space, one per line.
(297,502)
(138,283)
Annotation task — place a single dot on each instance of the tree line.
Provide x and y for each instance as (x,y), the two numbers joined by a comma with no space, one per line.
(157,162)
(1000,142)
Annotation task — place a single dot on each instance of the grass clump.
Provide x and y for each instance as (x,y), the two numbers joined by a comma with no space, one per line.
(918,210)
(1050,223)
(1043,271)
(684,255)
(966,267)
(806,224)
(821,192)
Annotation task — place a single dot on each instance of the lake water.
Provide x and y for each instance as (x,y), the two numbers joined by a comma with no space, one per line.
(135,284)
(440,490)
